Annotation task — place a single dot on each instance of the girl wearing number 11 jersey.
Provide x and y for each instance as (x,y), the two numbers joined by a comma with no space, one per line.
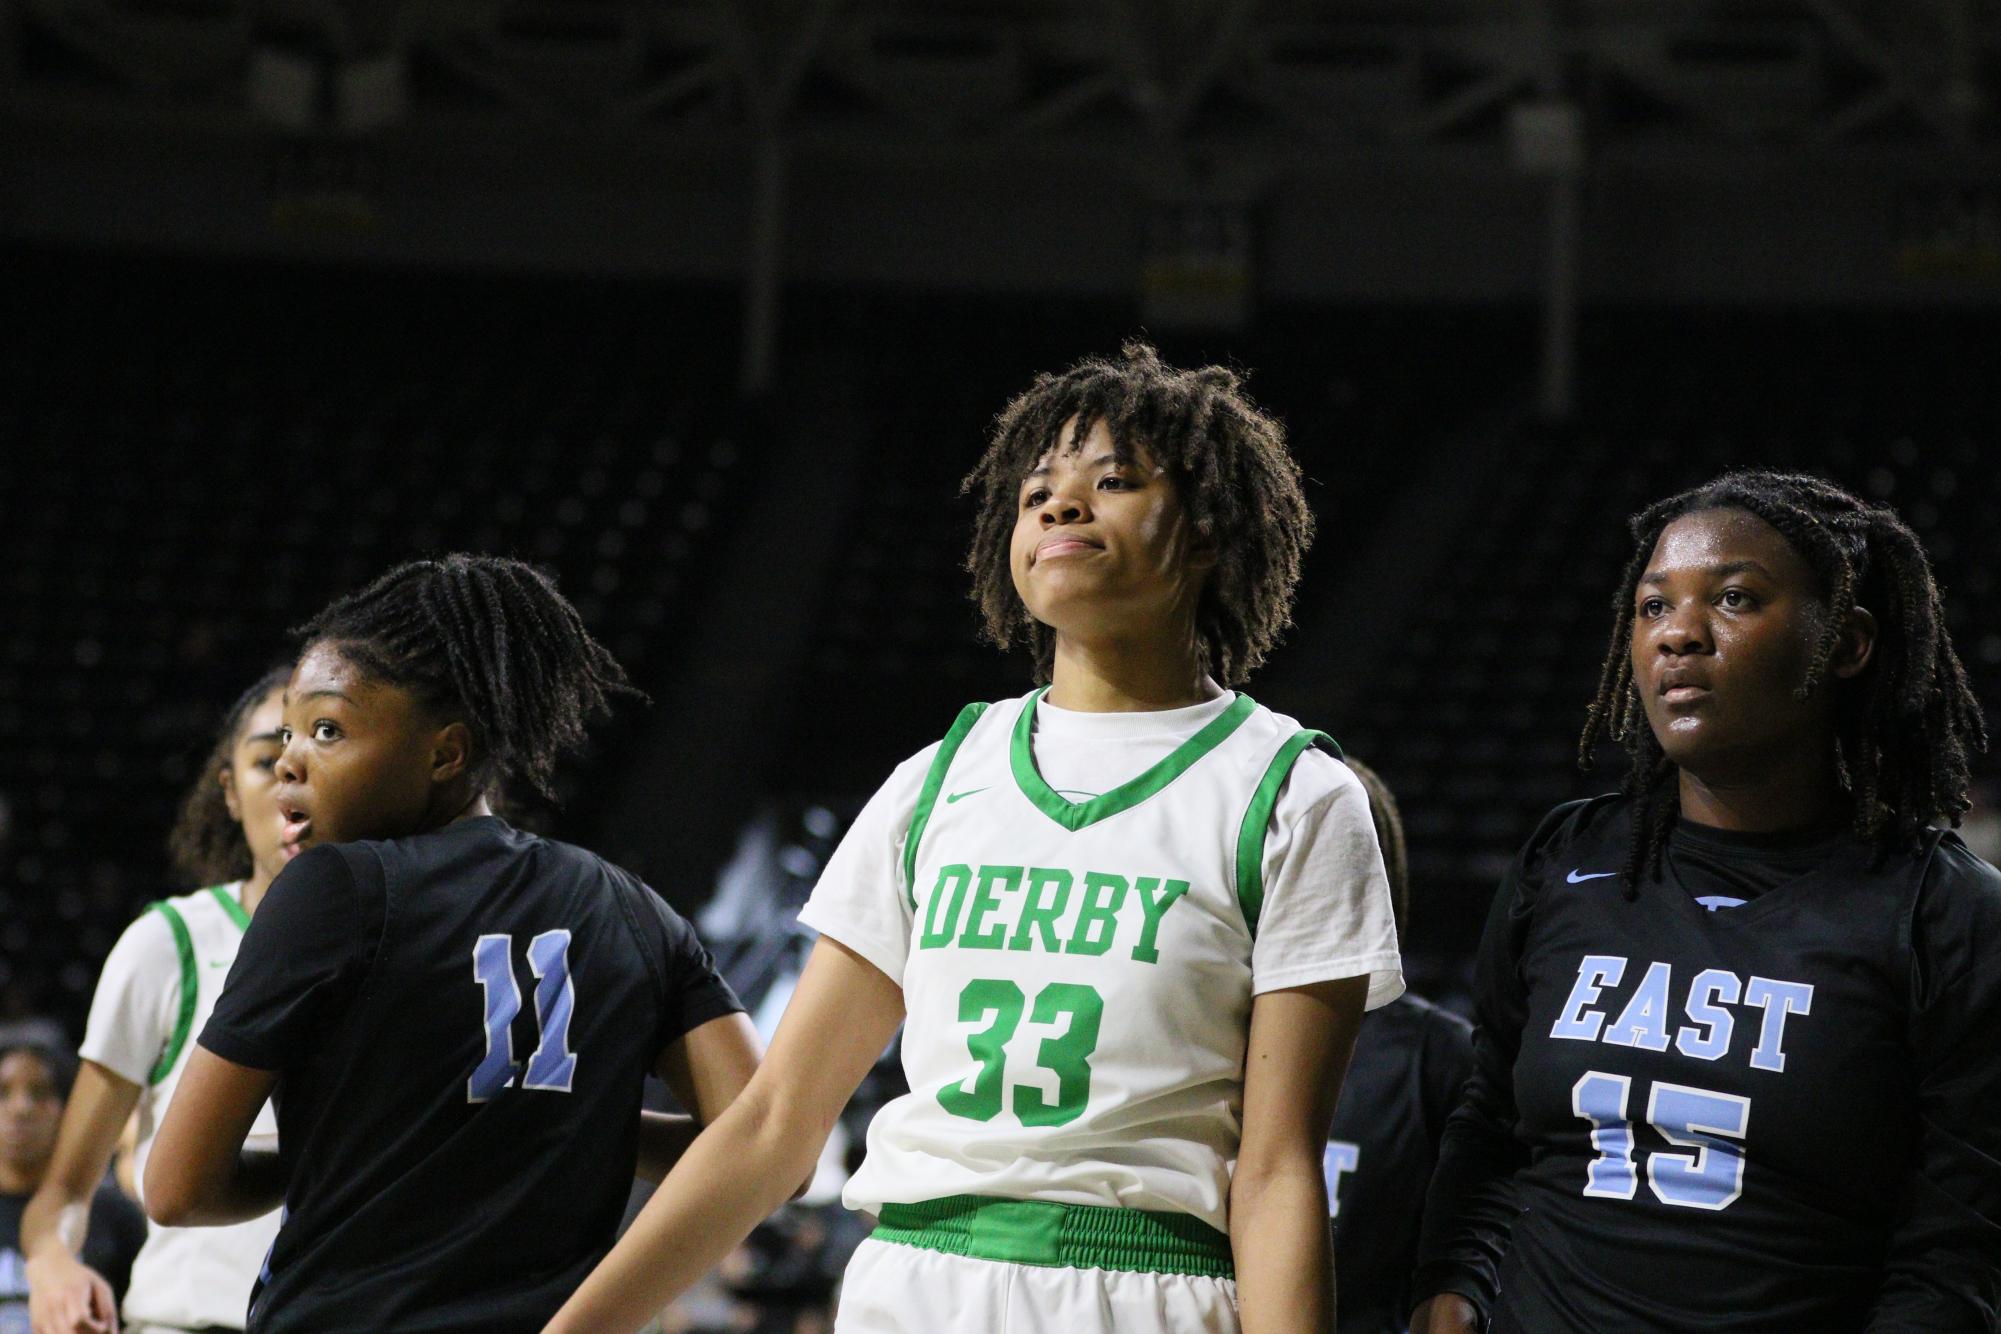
(457,1015)
(1130,920)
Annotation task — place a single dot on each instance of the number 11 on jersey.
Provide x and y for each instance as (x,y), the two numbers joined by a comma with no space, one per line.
(552,1067)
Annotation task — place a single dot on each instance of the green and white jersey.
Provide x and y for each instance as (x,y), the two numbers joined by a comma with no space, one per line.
(159,983)
(1079,909)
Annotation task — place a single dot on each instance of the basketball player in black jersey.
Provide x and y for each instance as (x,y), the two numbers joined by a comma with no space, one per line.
(457,1016)
(1411,1059)
(1738,1053)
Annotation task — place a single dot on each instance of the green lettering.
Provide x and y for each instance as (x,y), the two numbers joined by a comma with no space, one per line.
(1098,911)
(935,935)
(1037,914)
(1155,909)
(984,902)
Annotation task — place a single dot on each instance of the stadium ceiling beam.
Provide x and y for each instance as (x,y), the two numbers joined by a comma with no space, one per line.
(157,51)
(1899,87)
(1164,81)
(770,65)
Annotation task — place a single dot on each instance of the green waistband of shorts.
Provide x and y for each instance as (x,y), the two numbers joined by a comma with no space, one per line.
(1069,1236)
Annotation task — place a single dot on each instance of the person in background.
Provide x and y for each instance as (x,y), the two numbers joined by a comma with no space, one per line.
(1411,1060)
(35,1081)
(158,985)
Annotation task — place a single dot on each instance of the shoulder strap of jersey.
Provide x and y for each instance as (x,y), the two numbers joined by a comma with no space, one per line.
(190,982)
(1257,822)
(230,907)
(928,797)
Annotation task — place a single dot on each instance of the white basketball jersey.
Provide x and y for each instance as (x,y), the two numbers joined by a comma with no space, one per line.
(158,986)
(1078,981)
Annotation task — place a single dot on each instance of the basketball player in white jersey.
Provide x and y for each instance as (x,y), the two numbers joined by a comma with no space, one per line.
(157,988)
(1130,920)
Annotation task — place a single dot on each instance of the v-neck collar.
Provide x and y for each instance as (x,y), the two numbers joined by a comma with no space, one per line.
(1075,815)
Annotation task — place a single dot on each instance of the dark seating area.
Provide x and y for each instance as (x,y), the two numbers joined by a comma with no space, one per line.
(198,455)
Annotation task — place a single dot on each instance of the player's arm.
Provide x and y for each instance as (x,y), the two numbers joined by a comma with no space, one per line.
(1300,1042)
(747,1163)
(1942,1270)
(199,1174)
(66,1296)
(1470,1208)
(707,1067)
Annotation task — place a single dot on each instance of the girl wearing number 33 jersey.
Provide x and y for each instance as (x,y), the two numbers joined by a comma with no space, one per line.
(1130,921)
(458,1016)
(1736,1063)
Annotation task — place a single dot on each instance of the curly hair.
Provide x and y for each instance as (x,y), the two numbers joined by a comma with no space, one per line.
(206,843)
(1903,729)
(490,640)
(1230,466)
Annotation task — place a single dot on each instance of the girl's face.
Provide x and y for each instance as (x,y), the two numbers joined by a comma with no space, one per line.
(1725,620)
(30,1110)
(362,759)
(1102,547)
(248,783)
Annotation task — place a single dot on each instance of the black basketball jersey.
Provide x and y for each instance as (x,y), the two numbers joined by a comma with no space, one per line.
(1411,1058)
(461,1022)
(1730,1106)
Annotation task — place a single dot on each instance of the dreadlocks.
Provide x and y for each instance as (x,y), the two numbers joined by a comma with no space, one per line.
(1903,729)
(206,844)
(490,639)
(1230,467)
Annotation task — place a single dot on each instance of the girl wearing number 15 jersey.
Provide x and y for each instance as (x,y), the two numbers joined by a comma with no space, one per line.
(1131,920)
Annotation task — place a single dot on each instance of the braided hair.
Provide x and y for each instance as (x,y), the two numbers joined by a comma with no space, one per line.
(1231,469)
(1903,729)
(206,843)
(490,640)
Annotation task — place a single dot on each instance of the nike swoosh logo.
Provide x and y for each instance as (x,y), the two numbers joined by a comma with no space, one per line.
(971,791)
(1576,879)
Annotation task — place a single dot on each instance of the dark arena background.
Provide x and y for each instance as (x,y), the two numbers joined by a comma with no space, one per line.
(707,307)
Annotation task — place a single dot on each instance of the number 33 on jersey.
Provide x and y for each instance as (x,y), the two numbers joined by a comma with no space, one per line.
(1078,981)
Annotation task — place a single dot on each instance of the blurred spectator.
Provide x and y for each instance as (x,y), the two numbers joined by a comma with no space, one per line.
(35,1078)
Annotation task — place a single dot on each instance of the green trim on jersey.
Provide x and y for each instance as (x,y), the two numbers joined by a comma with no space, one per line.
(1075,815)
(926,799)
(190,987)
(1066,1236)
(1257,823)
(231,907)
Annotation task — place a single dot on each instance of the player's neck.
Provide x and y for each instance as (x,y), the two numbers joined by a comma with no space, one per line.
(253,889)
(1124,676)
(1799,792)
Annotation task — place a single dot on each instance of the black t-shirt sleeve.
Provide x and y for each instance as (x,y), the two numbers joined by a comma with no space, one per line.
(117,1231)
(303,950)
(1471,1206)
(693,991)
(1942,1273)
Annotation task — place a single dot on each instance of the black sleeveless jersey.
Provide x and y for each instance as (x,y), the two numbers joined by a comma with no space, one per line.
(461,1023)
(1729,1107)
(1411,1058)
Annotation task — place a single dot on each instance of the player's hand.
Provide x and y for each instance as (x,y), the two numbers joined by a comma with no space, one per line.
(1447,1313)
(66,1296)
